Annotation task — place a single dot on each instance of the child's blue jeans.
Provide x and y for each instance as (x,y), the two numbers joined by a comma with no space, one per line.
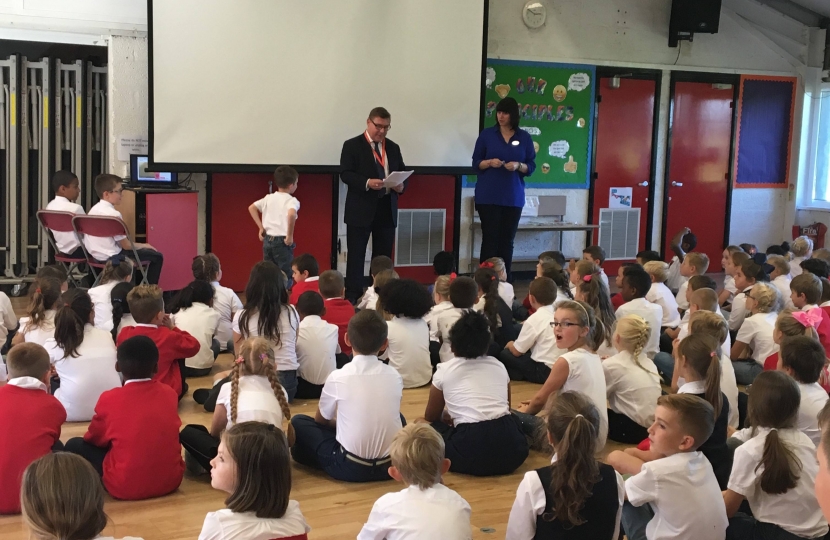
(274,249)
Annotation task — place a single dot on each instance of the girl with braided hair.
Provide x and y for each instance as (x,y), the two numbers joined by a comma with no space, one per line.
(632,383)
(254,393)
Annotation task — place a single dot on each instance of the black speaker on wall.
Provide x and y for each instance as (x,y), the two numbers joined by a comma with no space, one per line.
(689,17)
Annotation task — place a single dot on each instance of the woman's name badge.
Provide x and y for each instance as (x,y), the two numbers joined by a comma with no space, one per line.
(515,143)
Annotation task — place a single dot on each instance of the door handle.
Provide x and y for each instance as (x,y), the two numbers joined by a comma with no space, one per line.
(644,183)
(676,184)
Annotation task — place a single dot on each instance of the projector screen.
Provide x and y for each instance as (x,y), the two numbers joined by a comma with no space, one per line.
(257,83)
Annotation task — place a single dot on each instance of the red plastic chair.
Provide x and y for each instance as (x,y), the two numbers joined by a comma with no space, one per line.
(53,220)
(103,227)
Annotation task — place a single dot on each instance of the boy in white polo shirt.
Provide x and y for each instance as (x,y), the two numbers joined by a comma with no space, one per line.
(67,189)
(677,496)
(316,346)
(359,411)
(426,508)
(531,356)
(635,285)
(108,187)
(279,215)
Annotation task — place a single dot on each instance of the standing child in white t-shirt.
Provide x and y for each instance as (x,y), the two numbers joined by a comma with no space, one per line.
(775,470)
(254,394)
(254,468)
(279,216)
(407,301)
(118,270)
(225,301)
(317,346)
(195,315)
(40,323)
(426,508)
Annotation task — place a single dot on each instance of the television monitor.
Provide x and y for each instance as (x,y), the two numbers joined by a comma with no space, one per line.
(140,176)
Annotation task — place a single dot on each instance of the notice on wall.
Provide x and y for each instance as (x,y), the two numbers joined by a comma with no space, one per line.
(620,197)
(531,207)
(132,144)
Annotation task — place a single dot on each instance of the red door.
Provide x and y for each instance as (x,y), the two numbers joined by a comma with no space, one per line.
(234,234)
(696,187)
(172,223)
(625,124)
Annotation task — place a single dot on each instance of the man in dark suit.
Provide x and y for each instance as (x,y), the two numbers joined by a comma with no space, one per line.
(370,208)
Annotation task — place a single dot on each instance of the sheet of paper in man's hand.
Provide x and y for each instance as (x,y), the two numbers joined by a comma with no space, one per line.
(396,178)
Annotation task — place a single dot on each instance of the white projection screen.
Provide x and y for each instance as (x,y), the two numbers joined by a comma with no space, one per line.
(255,83)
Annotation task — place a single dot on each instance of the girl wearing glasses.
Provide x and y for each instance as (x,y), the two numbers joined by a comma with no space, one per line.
(754,342)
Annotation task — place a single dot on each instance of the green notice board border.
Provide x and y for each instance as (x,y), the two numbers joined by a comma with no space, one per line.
(556,104)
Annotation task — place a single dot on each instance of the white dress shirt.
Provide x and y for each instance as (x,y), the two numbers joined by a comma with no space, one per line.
(795,266)
(506,293)
(756,331)
(416,514)
(226,524)
(8,320)
(796,511)
(102,304)
(738,312)
(813,398)
(67,242)
(666,484)
(782,283)
(38,334)
(475,389)
(729,386)
(537,337)
(369,300)
(432,318)
(585,375)
(680,298)
(85,377)
(365,398)
(674,279)
(274,208)
(652,313)
(255,402)
(445,319)
(288,323)
(316,347)
(632,391)
(408,350)
(661,295)
(226,303)
(200,321)
(103,248)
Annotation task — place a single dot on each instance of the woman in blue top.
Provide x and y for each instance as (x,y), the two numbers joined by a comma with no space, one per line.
(503,156)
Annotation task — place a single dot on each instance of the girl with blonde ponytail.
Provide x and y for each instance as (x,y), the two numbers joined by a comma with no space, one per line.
(632,383)
(254,394)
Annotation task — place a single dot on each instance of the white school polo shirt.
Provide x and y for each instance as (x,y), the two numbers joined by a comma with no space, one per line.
(408,350)
(782,283)
(445,319)
(288,323)
(226,303)
(274,208)
(666,484)
(226,524)
(530,503)
(67,242)
(795,266)
(416,514)
(316,347)
(85,377)
(813,398)
(39,334)
(729,386)
(256,401)
(365,398)
(756,331)
(652,313)
(8,320)
(103,248)
(632,391)
(475,389)
(795,511)
(739,311)
(661,295)
(506,293)
(585,375)
(200,321)
(537,337)
(432,318)
(102,304)
(369,300)
(680,297)
(674,279)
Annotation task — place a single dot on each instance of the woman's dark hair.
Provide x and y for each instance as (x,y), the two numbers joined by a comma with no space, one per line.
(405,298)
(70,321)
(573,424)
(266,296)
(510,106)
(120,306)
(470,335)
(774,399)
(488,282)
(196,291)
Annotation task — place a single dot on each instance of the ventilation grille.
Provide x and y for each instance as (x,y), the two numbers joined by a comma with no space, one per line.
(419,236)
(619,233)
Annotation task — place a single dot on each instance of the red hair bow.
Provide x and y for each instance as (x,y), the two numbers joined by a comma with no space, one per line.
(486,264)
(587,278)
(453,275)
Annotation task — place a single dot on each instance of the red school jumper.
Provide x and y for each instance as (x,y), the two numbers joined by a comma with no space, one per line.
(172,345)
(339,312)
(311,284)
(30,423)
(139,423)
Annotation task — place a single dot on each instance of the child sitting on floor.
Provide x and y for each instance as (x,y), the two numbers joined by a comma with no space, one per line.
(195,315)
(754,342)
(441,301)
(207,268)
(339,311)
(780,278)
(408,333)
(505,288)
(592,291)
(121,316)
(694,264)
(117,270)
(40,323)
(661,295)
(305,272)
(498,313)
(596,255)
(379,264)
(635,286)
(426,508)
(463,296)
(317,348)
(730,263)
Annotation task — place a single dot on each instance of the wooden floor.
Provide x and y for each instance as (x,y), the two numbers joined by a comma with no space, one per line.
(335,510)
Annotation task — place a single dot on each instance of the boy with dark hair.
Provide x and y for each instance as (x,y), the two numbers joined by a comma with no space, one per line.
(279,216)
(306,273)
(817,267)
(803,358)
(133,439)
(174,345)
(108,188)
(67,189)
(647,256)
(30,419)
(339,311)
(317,347)
(443,264)
(596,255)
(359,411)
(636,283)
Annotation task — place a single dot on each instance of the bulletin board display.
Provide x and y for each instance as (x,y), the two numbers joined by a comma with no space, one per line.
(556,107)
(765,131)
